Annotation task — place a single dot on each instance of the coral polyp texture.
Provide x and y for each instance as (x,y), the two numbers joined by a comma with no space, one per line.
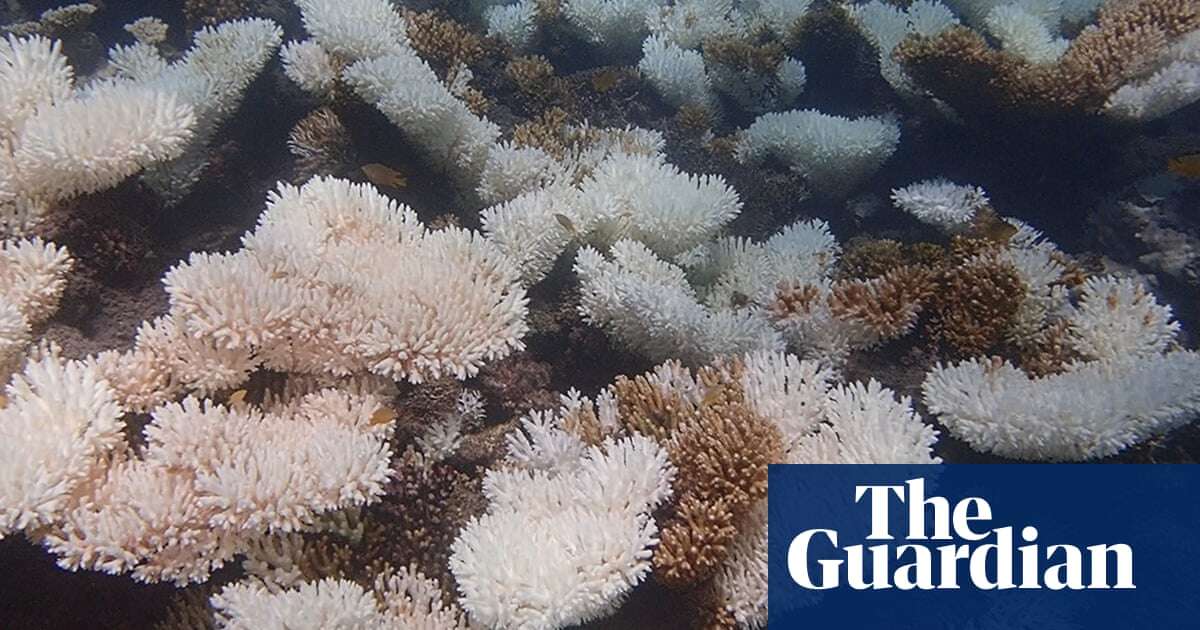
(542,288)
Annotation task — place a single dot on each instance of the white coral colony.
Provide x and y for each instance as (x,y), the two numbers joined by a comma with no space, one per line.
(316,289)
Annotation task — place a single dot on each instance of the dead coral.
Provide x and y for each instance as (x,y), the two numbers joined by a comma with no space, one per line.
(518,384)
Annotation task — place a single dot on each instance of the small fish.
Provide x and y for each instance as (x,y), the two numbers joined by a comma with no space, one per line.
(386,176)
(237,398)
(382,415)
(1185,165)
(3,401)
(989,225)
(567,224)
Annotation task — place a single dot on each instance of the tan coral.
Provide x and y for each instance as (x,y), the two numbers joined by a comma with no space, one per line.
(975,304)
(887,305)
(961,68)
(436,37)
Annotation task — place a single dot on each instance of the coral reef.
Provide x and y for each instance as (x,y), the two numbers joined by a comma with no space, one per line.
(615,258)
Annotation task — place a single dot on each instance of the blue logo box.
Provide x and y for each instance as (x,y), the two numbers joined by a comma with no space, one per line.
(978,547)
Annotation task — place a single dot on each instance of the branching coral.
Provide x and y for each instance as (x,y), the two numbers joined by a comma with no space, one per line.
(212,78)
(398,599)
(1125,384)
(1128,39)
(310,290)
(721,426)
(32,279)
(833,153)
(59,142)
(590,512)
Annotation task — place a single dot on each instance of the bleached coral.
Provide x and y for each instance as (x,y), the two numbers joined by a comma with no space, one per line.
(688,23)
(355,29)
(211,478)
(782,17)
(1092,410)
(886,25)
(1025,34)
(329,603)
(1118,318)
(627,190)
(647,199)
(646,304)
(409,93)
(1174,84)
(211,78)
(617,25)
(833,153)
(310,291)
(61,422)
(309,66)
(60,143)
(592,518)
(32,279)
(512,23)
(400,599)
(941,202)
(676,73)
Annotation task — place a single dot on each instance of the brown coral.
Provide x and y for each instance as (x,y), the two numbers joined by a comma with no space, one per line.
(975,304)
(419,516)
(321,145)
(721,449)
(960,67)
(437,38)
(214,11)
(743,54)
(866,258)
(794,299)
(888,305)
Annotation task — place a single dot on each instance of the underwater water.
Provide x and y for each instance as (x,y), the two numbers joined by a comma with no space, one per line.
(493,314)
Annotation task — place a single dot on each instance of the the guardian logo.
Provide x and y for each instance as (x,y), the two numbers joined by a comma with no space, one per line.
(972,554)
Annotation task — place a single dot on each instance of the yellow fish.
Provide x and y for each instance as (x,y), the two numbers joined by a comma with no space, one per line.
(1185,165)
(385,176)
(382,415)
(237,398)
